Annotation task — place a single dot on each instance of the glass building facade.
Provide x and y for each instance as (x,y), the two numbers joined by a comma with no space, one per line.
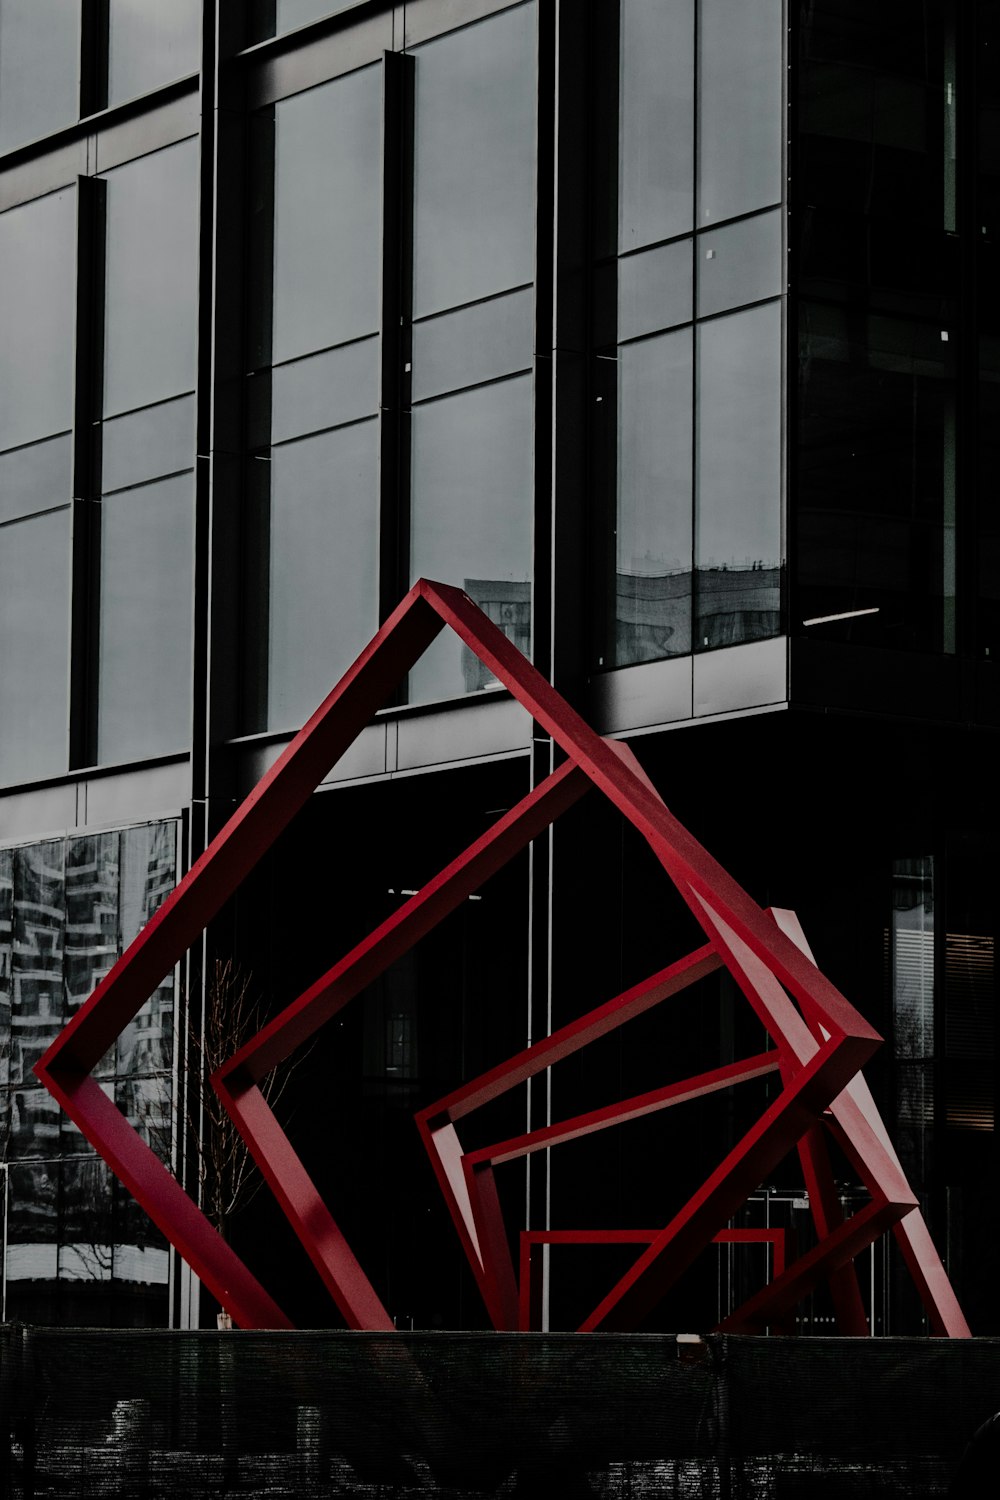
(667,329)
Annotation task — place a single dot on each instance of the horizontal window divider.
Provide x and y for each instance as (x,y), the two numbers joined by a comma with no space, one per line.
(727,312)
(103,119)
(95,773)
(32,515)
(644,338)
(298,359)
(133,411)
(301,36)
(522,286)
(144,484)
(36,442)
(389,714)
(300,437)
(476,385)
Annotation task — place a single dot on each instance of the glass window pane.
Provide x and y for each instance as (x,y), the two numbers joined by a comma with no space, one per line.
(656,167)
(325,390)
(741,110)
(92,937)
(149,443)
(39,68)
(37,1008)
(34,646)
(144,693)
(37,318)
(151,286)
(151,43)
(738,510)
(475,344)
(653,567)
(323,565)
(36,478)
(740,263)
(327,206)
(471,519)
(148,875)
(655,289)
(32,1231)
(474,162)
(291,13)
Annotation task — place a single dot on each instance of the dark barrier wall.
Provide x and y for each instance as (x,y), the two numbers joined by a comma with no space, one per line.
(323,1414)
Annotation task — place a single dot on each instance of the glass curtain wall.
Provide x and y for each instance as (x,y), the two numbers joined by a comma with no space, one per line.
(61,60)
(37,315)
(688,328)
(877,254)
(389,399)
(77,1249)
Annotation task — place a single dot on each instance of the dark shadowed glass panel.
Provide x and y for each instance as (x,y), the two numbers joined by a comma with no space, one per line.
(34,646)
(474,161)
(875,481)
(474,344)
(86,1222)
(148,444)
(148,875)
(324,390)
(656,166)
(151,286)
(39,68)
(32,1226)
(653,537)
(741,111)
(740,263)
(151,42)
(144,705)
(327,197)
(738,515)
(323,565)
(655,289)
(471,519)
(6,957)
(36,478)
(37,318)
(37,1007)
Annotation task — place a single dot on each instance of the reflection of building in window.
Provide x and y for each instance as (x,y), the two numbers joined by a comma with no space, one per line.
(969,1031)
(735,603)
(508,605)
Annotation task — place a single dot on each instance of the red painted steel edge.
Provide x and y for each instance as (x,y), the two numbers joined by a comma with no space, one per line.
(819,1057)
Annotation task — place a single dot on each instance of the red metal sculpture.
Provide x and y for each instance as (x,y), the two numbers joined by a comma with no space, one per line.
(820,1040)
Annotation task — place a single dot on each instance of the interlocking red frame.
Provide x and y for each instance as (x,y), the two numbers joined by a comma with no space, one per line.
(819,1047)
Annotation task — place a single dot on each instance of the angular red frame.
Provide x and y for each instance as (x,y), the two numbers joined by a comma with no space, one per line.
(819,1051)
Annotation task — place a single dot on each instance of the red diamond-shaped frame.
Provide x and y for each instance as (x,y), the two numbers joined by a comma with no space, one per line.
(739,932)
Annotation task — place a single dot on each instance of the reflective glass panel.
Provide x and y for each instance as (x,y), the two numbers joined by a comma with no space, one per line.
(32,1226)
(36,478)
(739,506)
(324,390)
(327,203)
(37,1007)
(151,43)
(653,566)
(741,110)
(148,875)
(6,955)
(478,343)
(39,68)
(34,646)
(148,444)
(471,519)
(291,13)
(323,580)
(144,691)
(86,1221)
(151,284)
(740,263)
(37,318)
(92,936)
(656,166)
(655,289)
(474,161)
